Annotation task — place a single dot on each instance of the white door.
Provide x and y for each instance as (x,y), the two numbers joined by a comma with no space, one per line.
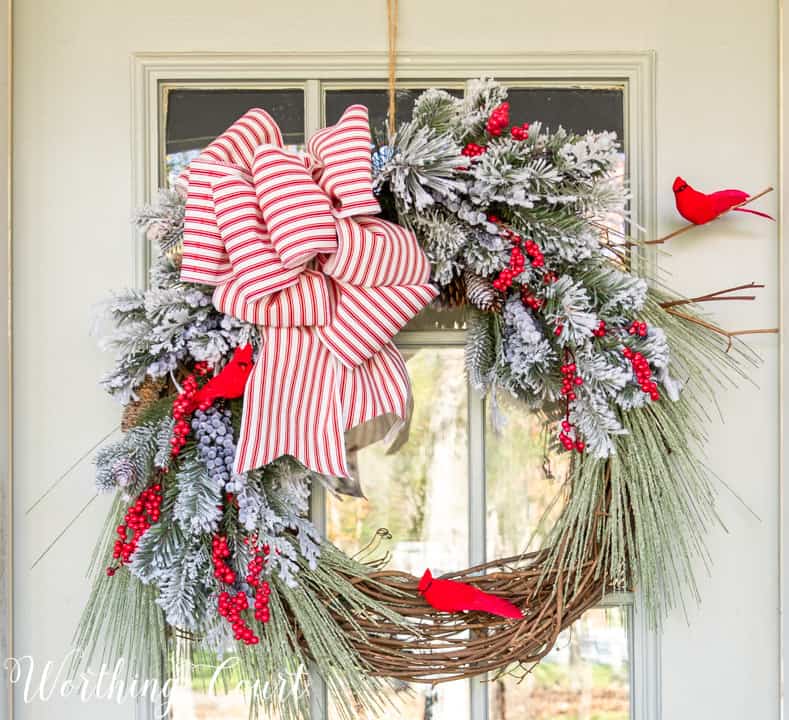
(697,85)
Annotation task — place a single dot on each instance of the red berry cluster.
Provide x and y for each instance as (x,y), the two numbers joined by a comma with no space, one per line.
(263,589)
(182,409)
(473,150)
(534,252)
(643,373)
(219,554)
(230,608)
(520,132)
(566,437)
(139,517)
(599,331)
(499,119)
(550,277)
(570,381)
(517,258)
(530,300)
(638,328)
(509,273)
(202,368)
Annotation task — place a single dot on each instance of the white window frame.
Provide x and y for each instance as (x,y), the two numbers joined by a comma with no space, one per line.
(154,74)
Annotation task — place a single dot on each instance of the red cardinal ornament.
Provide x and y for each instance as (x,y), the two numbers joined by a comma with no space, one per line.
(454,596)
(700,208)
(230,382)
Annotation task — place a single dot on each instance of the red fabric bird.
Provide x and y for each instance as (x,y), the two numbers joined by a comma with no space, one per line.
(230,381)
(700,208)
(454,596)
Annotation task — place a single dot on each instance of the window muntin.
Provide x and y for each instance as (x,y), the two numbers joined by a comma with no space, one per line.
(498,467)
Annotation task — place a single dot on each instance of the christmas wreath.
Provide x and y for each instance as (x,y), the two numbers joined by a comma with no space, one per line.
(261,354)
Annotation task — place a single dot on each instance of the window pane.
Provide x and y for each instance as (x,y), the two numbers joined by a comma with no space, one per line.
(520,464)
(377,102)
(420,495)
(585,676)
(575,109)
(195,117)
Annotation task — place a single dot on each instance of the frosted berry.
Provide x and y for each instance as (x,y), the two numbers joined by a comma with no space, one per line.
(472,150)
(499,119)
(520,132)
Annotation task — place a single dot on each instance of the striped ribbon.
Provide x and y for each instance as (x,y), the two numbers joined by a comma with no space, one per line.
(290,243)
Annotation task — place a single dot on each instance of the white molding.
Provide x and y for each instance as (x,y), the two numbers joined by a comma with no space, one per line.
(635,70)
(645,659)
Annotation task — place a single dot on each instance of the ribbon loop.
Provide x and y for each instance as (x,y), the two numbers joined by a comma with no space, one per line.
(296,211)
(289,244)
(344,152)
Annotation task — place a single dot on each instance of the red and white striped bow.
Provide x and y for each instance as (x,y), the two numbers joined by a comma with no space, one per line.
(289,242)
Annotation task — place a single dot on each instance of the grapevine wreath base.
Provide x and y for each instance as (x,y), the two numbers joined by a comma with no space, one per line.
(208,543)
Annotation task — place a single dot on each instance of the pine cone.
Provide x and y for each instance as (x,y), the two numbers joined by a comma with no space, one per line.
(452,295)
(481,293)
(147,394)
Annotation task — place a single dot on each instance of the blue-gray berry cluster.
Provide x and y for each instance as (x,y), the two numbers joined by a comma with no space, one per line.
(214,435)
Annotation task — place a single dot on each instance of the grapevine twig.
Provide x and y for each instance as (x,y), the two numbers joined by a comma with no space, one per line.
(730,334)
(715,296)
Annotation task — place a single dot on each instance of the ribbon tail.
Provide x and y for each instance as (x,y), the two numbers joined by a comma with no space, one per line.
(292,405)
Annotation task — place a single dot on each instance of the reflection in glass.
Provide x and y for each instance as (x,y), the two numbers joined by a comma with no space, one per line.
(194,117)
(420,495)
(520,462)
(575,109)
(197,704)
(377,102)
(585,676)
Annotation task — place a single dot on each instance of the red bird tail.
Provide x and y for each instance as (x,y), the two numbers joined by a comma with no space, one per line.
(495,605)
(754,212)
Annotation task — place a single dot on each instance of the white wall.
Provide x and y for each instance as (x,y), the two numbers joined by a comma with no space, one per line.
(717,119)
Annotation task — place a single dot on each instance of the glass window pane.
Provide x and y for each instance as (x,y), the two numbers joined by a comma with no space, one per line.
(575,109)
(194,117)
(420,494)
(585,676)
(377,102)
(520,463)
